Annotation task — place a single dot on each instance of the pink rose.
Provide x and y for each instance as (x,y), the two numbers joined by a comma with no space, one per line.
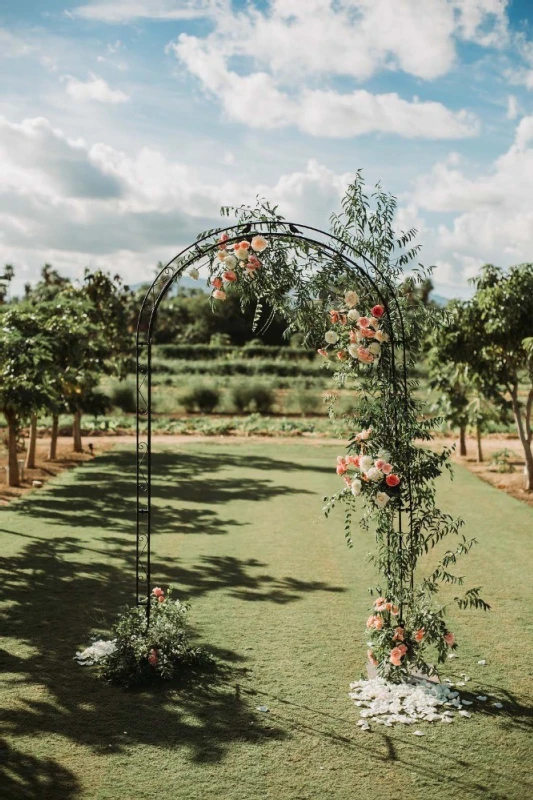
(216,282)
(363,322)
(386,468)
(230,276)
(218,294)
(157,591)
(253,262)
(378,311)
(353,460)
(392,480)
(419,634)
(449,638)
(379,463)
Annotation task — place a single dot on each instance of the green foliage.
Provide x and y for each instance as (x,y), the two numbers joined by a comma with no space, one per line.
(503,460)
(158,651)
(202,398)
(253,397)
(123,396)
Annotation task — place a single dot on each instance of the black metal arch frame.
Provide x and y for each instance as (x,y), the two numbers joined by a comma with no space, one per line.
(323,242)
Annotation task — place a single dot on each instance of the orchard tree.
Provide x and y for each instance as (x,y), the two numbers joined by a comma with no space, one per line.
(26,364)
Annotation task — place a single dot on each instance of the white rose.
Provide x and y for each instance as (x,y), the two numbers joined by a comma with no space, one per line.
(352,349)
(365,462)
(230,262)
(374,474)
(351,299)
(382,498)
(374,348)
(221,255)
(193,273)
(353,314)
(331,337)
(242,254)
(356,487)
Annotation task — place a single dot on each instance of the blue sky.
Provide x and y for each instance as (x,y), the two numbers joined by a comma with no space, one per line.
(125,124)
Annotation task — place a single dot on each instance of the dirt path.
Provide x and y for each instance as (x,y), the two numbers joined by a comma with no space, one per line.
(510,482)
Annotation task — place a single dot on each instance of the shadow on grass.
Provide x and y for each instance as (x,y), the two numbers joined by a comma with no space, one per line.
(103,493)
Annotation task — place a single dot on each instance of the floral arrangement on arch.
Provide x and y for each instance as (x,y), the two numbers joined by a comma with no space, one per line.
(370,334)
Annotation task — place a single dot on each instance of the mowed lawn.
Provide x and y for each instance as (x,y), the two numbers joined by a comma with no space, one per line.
(282,602)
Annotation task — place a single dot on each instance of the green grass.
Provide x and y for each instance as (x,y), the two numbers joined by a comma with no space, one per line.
(282,603)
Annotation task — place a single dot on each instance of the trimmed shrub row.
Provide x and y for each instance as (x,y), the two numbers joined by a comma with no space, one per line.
(192,352)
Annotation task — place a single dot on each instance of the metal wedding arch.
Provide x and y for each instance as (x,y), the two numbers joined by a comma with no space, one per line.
(198,253)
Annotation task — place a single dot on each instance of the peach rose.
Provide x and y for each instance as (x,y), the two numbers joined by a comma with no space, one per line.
(364,355)
(419,634)
(395,611)
(371,657)
(395,657)
(221,255)
(363,322)
(216,282)
(161,599)
(402,648)
(229,276)
(398,635)
(343,319)
(218,294)
(322,352)
(259,243)
(351,299)
(353,336)
(370,622)
(392,480)
(378,623)
(334,315)
(380,603)
(364,435)
(341,355)
(374,322)
(449,638)
(368,333)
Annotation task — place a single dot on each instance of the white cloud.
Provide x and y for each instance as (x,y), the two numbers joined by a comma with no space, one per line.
(75,204)
(512,107)
(493,211)
(12,46)
(94,88)
(121,11)
(256,100)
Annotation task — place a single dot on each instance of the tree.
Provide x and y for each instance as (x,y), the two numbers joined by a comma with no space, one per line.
(5,280)
(492,339)
(26,361)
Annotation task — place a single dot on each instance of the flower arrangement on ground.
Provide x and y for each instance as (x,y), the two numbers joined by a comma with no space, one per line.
(146,652)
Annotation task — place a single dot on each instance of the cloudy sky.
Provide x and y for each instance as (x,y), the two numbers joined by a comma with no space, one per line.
(125,124)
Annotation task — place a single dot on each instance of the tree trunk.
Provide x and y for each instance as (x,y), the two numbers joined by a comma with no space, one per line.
(478,440)
(462,440)
(32,443)
(13,477)
(76,432)
(52,450)
(525,441)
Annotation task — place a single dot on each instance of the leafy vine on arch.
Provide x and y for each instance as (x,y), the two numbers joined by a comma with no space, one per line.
(344,291)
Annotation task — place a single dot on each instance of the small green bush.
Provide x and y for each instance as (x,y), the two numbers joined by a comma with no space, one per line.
(158,652)
(309,403)
(253,397)
(123,396)
(502,460)
(203,398)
